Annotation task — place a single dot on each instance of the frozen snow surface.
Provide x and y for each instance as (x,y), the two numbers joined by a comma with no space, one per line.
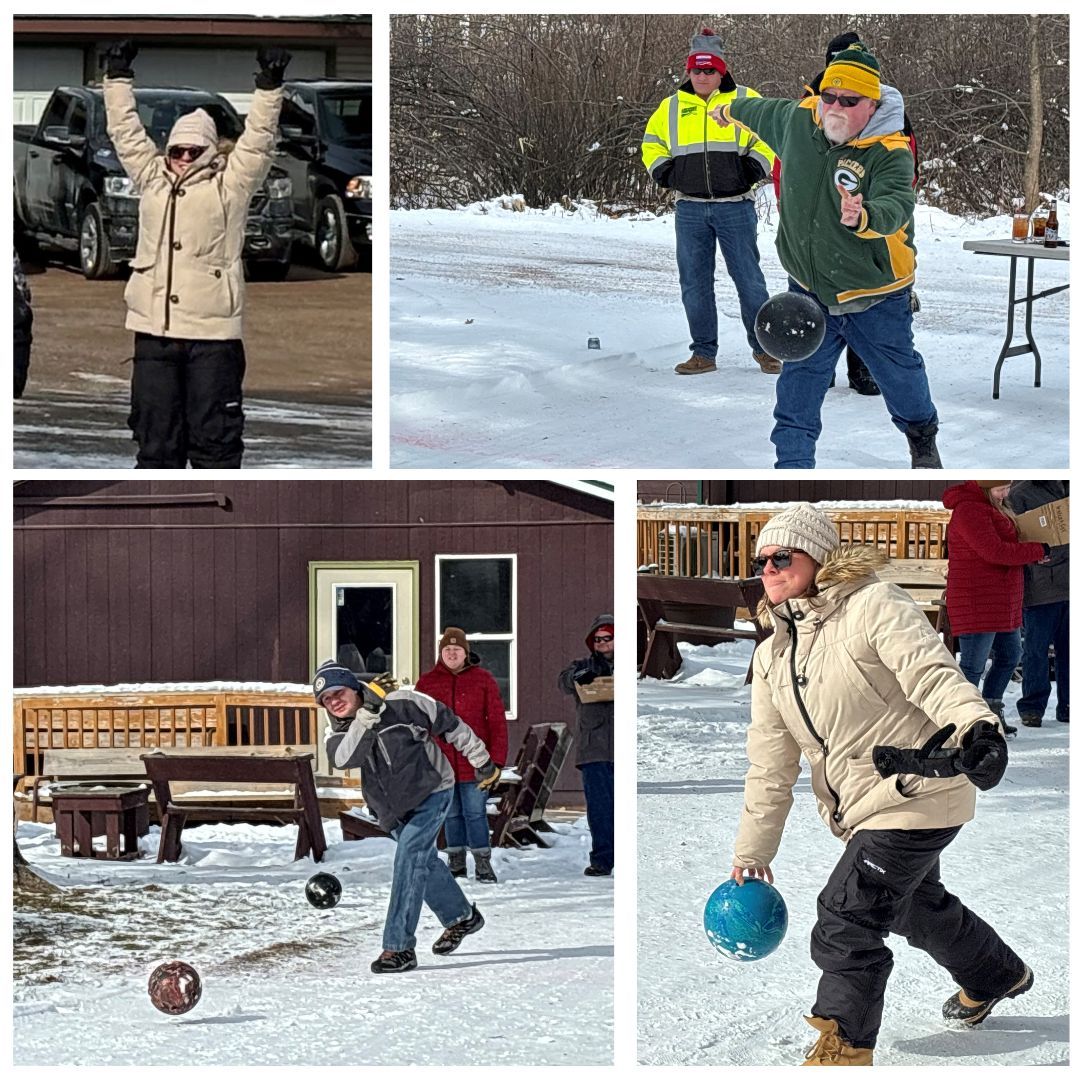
(287,984)
(697,1007)
(491,312)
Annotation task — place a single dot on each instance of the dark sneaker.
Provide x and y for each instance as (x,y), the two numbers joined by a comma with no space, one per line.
(1030,720)
(696,365)
(597,871)
(454,935)
(769,364)
(457,862)
(395,961)
(971,1013)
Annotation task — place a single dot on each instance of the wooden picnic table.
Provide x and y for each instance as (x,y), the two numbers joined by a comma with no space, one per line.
(296,770)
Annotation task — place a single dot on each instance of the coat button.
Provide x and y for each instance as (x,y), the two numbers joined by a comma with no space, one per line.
(176,245)
(180,193)
(217,273)
(174,299)
(800,615)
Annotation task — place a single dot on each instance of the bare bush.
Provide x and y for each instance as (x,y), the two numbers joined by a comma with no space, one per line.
(552,107)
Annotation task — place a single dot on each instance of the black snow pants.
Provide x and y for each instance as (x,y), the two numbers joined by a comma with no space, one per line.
(187,403)
(888,880)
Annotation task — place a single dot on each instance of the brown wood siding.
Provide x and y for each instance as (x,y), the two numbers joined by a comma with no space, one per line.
(725,492)
(223,593)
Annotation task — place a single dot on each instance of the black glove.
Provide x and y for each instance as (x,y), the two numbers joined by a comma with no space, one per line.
(117,57)
(584,675)
(983,755)
(928,760)
(273,61)
(488,775)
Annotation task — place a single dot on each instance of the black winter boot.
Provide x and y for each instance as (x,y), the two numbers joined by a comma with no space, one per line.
(482,859)
(997,706)
(923,446)
(454,935)
(858,376)
(457,861)
(971,1013)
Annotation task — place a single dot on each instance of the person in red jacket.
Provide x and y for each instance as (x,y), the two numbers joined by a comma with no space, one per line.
(984,593)
(470,691)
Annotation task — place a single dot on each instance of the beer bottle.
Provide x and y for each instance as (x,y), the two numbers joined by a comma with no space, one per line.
(1050,238)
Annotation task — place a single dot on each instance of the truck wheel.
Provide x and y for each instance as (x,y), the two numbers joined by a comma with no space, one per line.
(95,253)
(333,248)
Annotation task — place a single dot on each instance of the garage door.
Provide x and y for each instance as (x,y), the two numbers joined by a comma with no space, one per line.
(39,69)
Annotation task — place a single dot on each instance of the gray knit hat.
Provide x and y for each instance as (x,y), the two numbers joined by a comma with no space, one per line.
(801,526)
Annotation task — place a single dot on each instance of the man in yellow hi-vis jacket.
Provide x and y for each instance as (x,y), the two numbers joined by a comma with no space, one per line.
(713,170)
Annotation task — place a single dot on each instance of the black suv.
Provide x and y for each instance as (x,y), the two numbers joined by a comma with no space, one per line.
(325,148)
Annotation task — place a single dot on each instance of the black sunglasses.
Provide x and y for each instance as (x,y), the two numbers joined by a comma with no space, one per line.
(603,637)
(176,153)
(703,71)
(832,98)
(781,559)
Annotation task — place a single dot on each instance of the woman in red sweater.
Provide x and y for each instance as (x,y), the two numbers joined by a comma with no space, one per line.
(984,593)
(470,691)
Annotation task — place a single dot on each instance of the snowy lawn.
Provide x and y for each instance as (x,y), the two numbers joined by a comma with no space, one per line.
(491,312)
(695,1007)
(287,984)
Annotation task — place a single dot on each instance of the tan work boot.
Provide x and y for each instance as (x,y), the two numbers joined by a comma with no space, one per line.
(830,1049)
(769,364)
(696,365)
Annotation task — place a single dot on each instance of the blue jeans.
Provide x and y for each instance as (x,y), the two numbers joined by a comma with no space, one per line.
(699,226)
(421,877)
(882,336)
(598,779)
(975,651)
(467,821)
(1044,625)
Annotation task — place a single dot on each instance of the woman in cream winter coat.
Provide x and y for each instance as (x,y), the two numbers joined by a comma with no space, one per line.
(856,681)
(185,297)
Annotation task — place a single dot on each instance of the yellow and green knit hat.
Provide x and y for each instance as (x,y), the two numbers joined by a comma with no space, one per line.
(854,69)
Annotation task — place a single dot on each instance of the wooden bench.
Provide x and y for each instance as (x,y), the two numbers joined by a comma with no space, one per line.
(660,597)
(519,816)
(205,768)
(115,811)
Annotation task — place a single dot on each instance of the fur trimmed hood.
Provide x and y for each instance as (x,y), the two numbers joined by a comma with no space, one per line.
(852,565)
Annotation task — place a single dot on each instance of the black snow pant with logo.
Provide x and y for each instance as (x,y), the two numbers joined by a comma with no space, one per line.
(187,403)
(888,881)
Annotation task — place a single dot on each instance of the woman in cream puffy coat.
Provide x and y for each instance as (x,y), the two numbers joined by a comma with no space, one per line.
(185,297)
(855,678)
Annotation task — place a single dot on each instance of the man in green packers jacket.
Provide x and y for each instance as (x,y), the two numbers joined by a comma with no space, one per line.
(713,170)
(846,238)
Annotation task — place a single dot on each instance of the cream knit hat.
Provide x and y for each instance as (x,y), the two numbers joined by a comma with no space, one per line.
(195,128)
(801,526)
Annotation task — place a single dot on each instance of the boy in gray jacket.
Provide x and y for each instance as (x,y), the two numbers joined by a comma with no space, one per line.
(407,784)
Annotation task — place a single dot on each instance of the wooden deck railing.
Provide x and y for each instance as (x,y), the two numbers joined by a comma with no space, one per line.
(173,719)
(719,541)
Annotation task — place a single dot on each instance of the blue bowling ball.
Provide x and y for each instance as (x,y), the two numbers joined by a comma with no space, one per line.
(745,922)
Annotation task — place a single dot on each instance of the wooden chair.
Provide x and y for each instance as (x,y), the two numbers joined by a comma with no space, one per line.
(519,817)
(661,596)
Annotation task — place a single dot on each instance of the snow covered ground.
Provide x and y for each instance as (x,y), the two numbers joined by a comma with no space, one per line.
(287,984)
(695,1007)
(491,313)
(89,431)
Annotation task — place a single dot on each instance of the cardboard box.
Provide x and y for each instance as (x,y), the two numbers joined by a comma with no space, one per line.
(1047,524)
(602,688)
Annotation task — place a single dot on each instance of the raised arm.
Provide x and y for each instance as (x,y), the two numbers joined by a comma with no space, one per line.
(252,156)
(135,149)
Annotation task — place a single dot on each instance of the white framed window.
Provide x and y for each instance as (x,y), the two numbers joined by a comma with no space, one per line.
(478,593)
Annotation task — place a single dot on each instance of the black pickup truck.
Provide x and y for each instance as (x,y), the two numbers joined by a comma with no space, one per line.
(72,194)
(325,147)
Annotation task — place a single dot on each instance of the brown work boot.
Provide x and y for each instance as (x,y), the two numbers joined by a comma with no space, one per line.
(830,1049)
(696,365)
(769,364)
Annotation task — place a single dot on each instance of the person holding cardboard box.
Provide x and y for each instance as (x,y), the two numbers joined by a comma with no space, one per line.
(595,741)
(985,588)
(1046,609)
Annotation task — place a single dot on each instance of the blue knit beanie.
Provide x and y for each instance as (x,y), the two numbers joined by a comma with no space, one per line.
(332,675)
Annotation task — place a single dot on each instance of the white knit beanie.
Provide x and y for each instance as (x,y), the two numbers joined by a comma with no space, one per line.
(195,128)
(801,526)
